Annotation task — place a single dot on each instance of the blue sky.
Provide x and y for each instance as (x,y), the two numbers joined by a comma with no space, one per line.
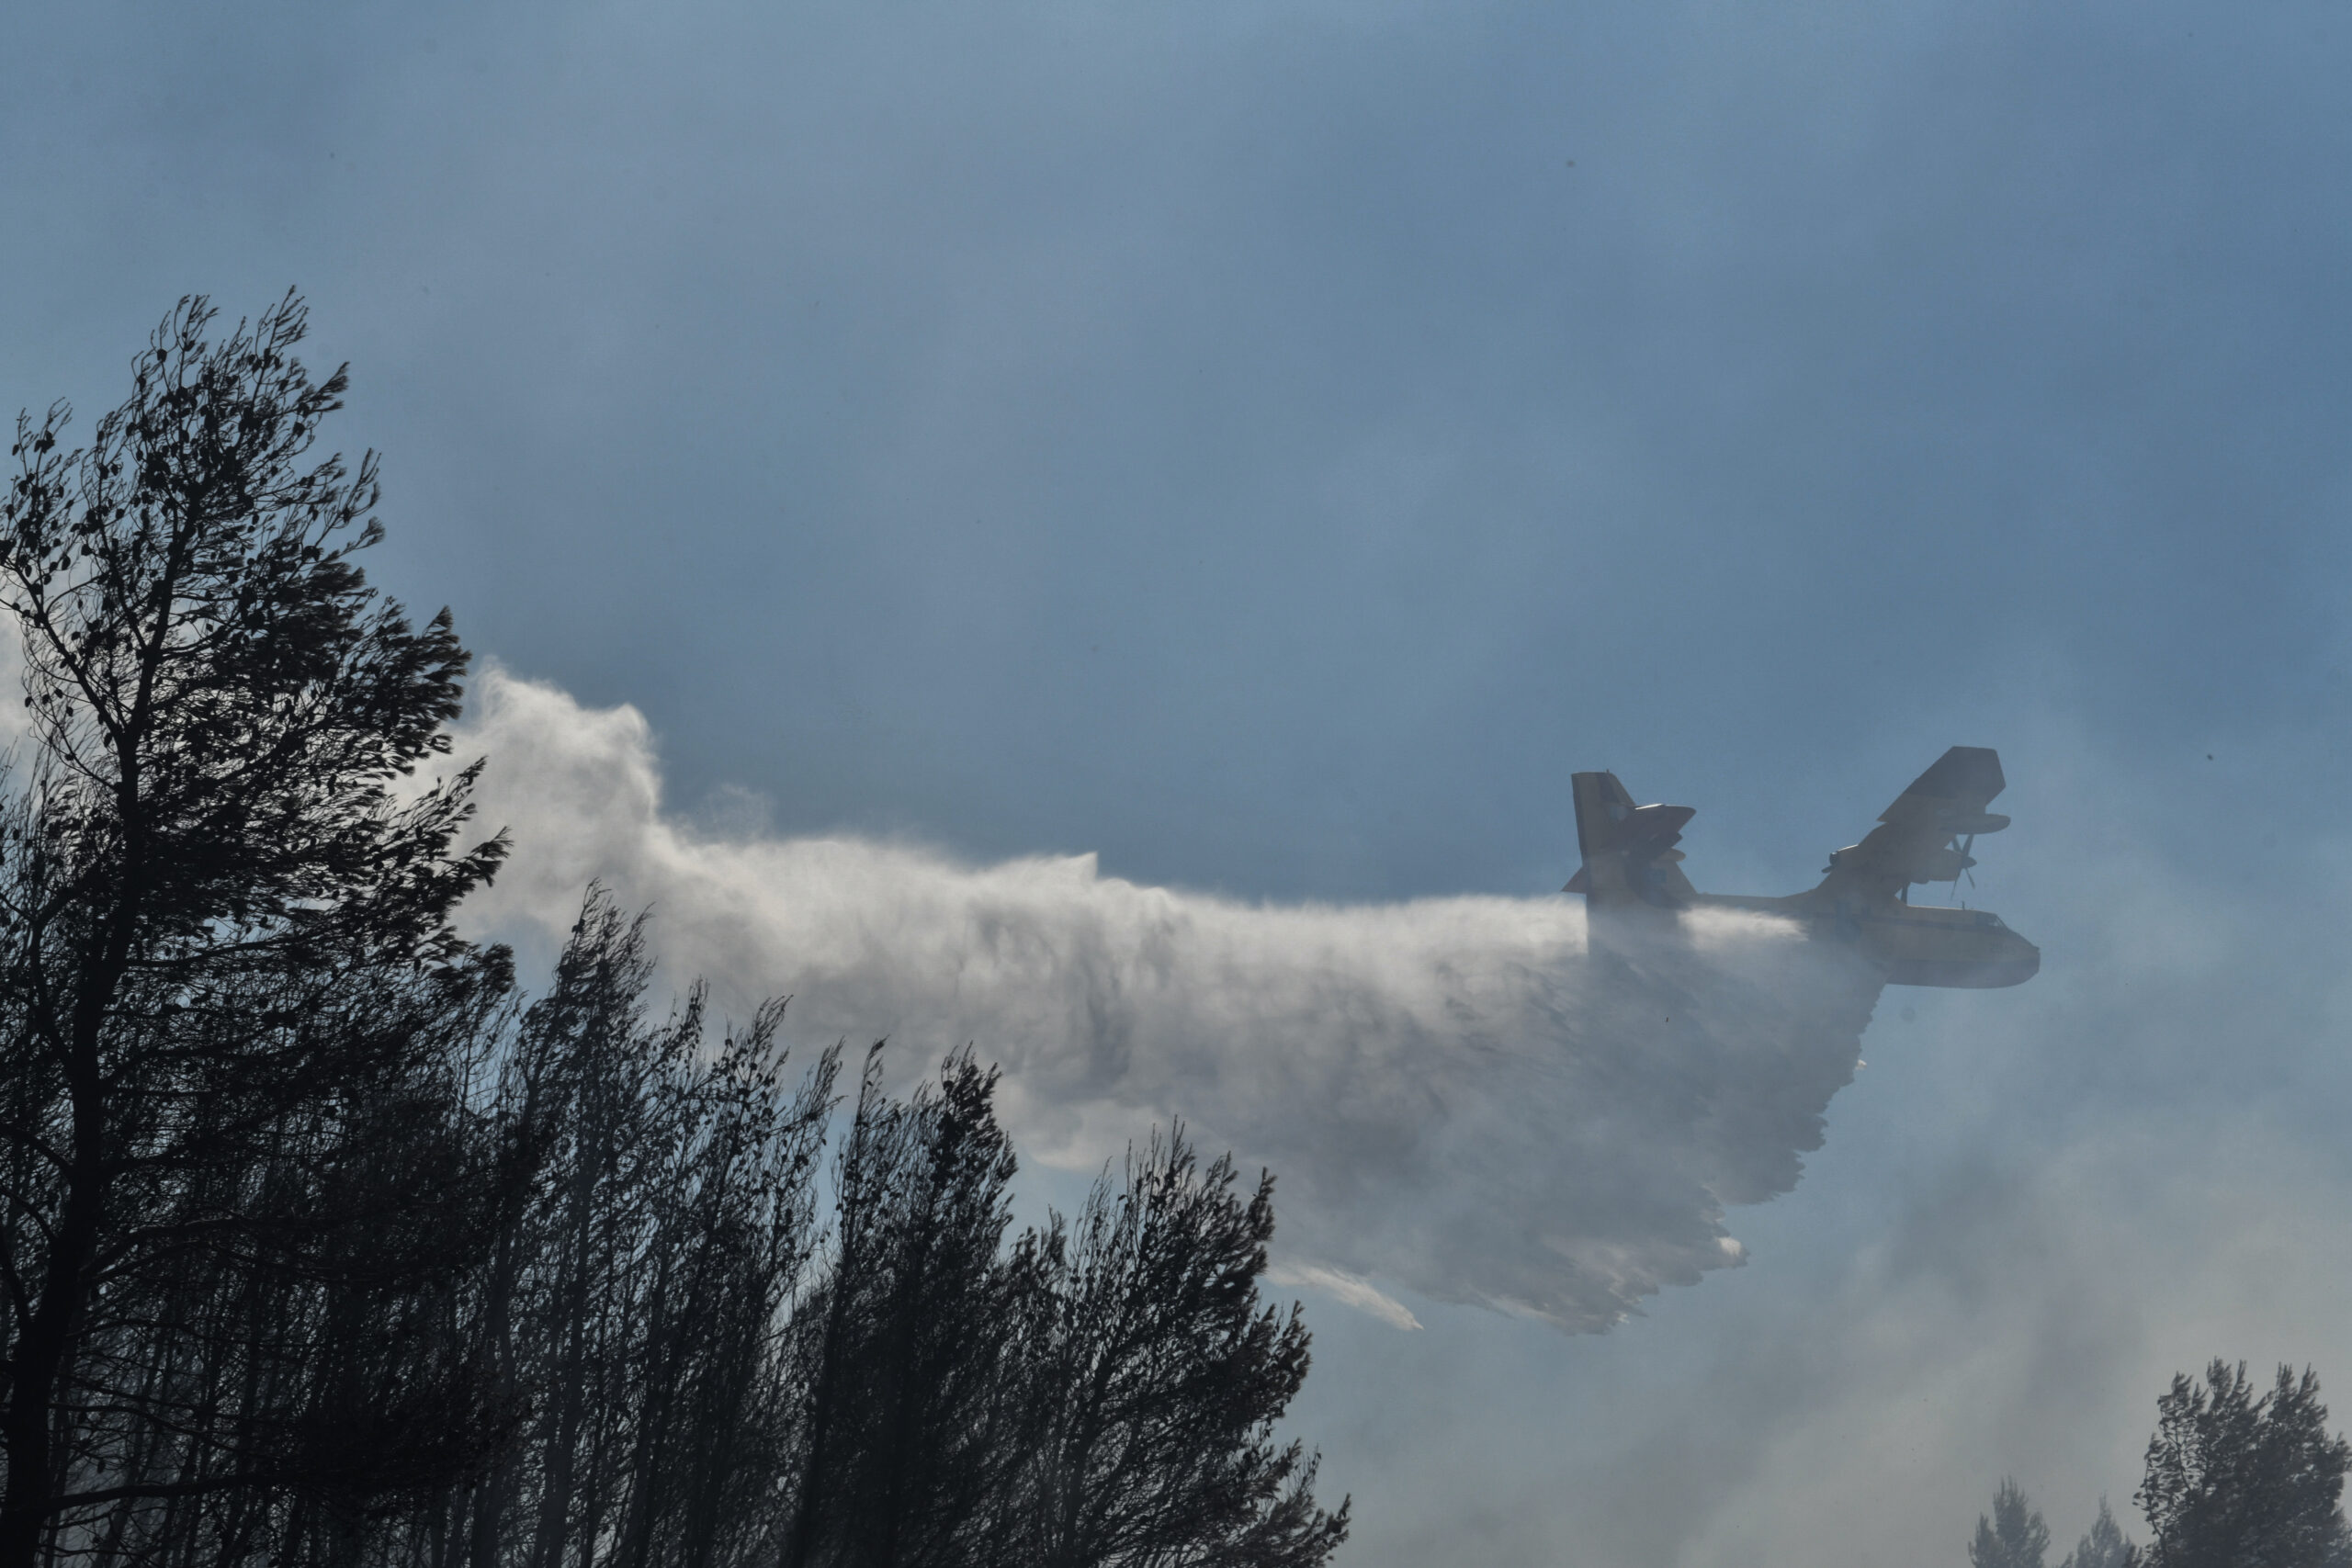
(1271,446)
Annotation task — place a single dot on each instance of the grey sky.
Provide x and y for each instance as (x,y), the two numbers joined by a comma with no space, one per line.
(1272,446)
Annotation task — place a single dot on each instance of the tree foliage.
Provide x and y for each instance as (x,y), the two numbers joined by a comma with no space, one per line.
(2236,1478)
(1165,1376)
(717,1379)
(2103,1545)
(2014,1537)
(318,1247)
(236,1019)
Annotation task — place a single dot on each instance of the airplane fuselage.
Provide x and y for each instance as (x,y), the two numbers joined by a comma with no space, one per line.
(1912,944)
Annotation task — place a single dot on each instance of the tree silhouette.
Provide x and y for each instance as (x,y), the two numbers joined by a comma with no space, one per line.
(225,956)
(2235,1478)
(2103,1545)
(2014,1537)
(1165,1378)
(319,1249)
(913,1434)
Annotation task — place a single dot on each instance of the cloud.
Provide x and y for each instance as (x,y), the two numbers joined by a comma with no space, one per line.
(1459,1096)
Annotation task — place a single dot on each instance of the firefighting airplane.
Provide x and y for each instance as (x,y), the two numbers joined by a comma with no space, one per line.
(1630,864)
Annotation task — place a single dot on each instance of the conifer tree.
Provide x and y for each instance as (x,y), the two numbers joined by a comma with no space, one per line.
(1167,1377)
(2014,1537)
(2103,1545)
(2235,1478)
(318,1250)
(225,954)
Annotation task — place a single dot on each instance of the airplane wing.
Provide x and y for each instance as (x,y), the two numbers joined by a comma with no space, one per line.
(1916,839)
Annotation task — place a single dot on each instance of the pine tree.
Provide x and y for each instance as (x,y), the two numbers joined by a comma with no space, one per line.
(316,1248)
(2103,1545)
(2014,1537)
(2235,1478)
(225,957)
(1167,1375)
(636,1302)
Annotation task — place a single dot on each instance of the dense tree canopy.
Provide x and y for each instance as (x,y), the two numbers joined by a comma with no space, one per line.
(2234,1477)
(2234,1480)
(236,1016)
(319,1247)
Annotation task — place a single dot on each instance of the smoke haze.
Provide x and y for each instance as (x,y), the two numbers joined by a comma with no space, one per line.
(1272,447)
(1461,1095)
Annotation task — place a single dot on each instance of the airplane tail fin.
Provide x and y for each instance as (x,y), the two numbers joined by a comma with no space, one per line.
(1629,854)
